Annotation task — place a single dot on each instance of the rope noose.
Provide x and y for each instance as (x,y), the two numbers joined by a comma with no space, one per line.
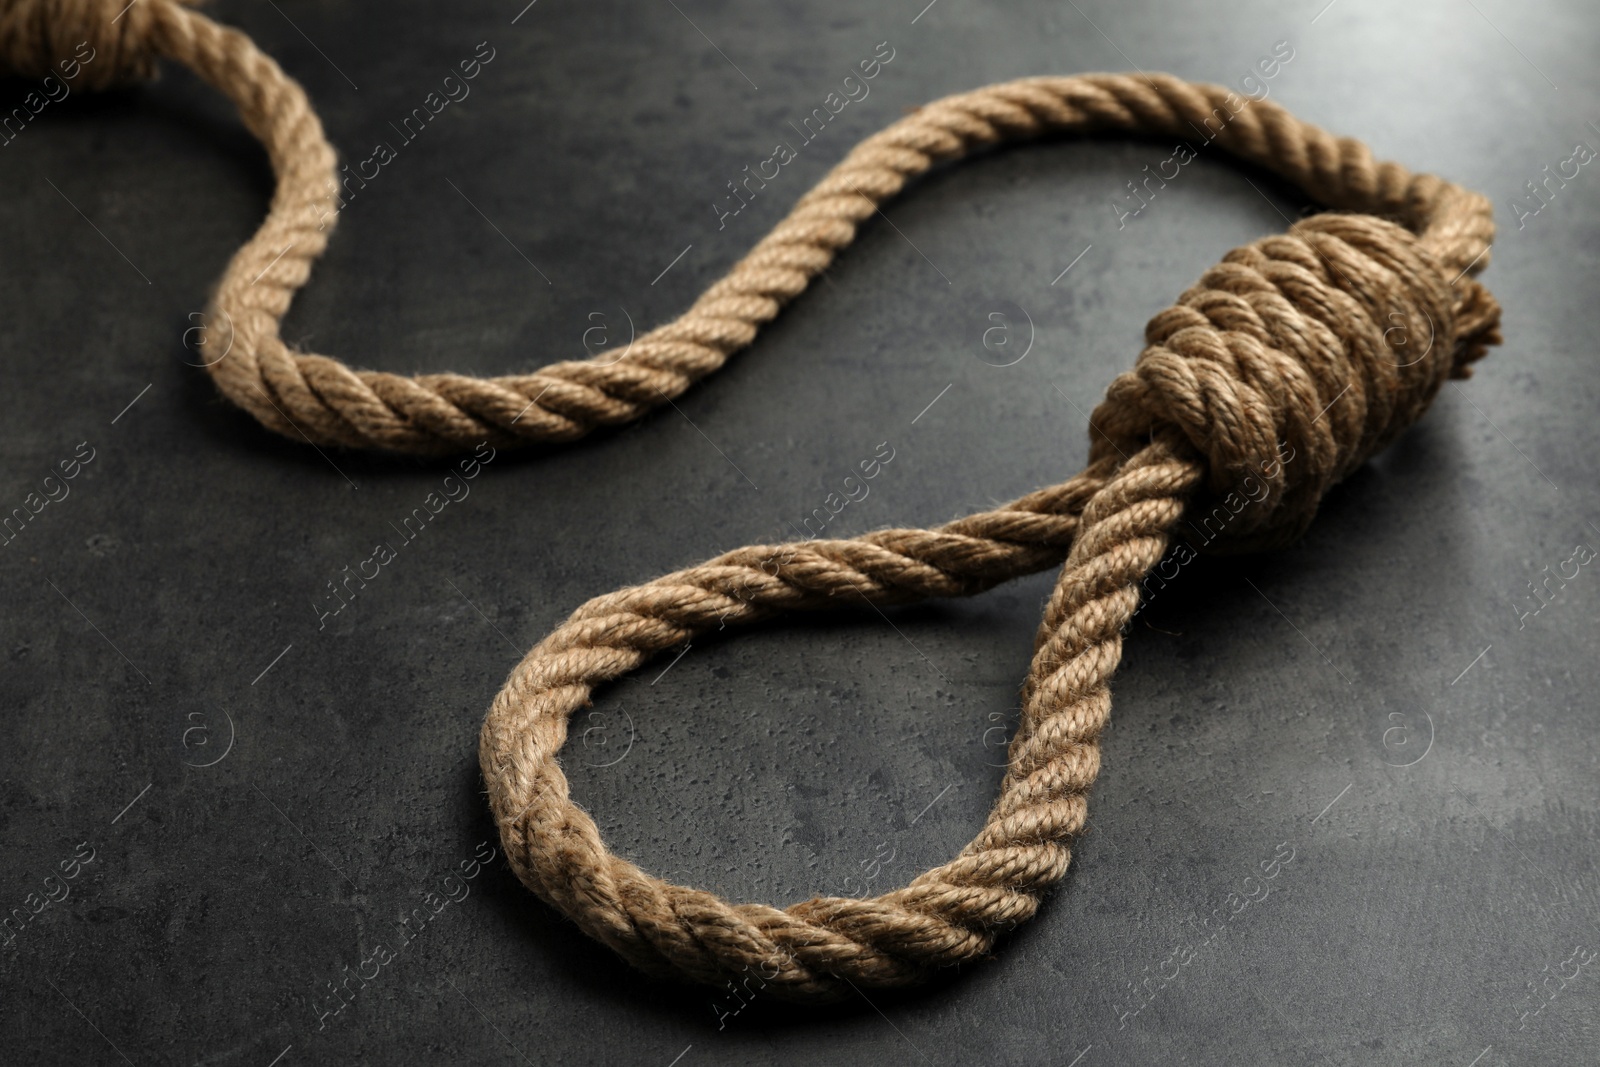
(1302,345)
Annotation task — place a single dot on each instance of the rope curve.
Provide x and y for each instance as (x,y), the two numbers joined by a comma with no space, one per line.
(1285,367)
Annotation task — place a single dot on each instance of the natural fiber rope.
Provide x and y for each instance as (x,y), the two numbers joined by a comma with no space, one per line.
(1302,345)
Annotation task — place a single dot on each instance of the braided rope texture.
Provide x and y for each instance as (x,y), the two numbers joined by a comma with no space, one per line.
(1321,344)
(311,397)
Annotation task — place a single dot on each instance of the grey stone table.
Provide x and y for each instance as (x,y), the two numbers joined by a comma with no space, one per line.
(1349,802)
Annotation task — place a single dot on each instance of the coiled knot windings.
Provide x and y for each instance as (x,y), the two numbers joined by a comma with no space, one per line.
(1294,360)
(97,44)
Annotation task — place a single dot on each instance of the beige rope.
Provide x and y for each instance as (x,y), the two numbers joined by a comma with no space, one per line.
(1303,345)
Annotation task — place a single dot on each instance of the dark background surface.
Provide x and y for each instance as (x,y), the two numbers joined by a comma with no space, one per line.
(1375,703)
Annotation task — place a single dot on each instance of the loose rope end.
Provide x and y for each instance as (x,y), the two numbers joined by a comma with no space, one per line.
(1477,325)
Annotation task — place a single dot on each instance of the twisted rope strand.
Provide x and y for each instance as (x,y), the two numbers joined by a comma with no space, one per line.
(1276,375)
(310,397)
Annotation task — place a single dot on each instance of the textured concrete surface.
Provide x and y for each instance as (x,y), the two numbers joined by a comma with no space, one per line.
(1375,717)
